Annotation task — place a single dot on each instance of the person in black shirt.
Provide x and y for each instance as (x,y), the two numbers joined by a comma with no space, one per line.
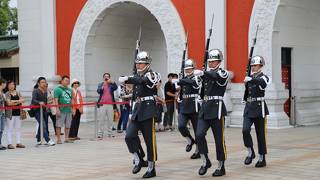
(40,97)
(170,95)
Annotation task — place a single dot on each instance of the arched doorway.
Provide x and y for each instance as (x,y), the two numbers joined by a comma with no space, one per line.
(105,33)
(297,48)
(111,44)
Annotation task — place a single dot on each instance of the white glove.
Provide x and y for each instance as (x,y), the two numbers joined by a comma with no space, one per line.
(247,79)
(175,81)
(198,72)
(176,86)
(122,79)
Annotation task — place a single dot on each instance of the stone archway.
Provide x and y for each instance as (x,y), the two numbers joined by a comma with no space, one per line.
(165,13)
(264,13)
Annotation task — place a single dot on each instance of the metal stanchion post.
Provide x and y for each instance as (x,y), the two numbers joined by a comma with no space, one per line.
(175,116)
(293,111)
(41,124)
(95,121)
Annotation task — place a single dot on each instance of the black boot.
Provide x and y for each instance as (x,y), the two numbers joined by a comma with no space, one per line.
(151,172)
(203,169)
(195,155)
(221,171)
(249,159)
(261,163)
(189,146)
(137,167)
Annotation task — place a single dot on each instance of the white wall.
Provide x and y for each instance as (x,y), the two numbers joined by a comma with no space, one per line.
(36,40)
(111,44)
(218,7)
(297,25)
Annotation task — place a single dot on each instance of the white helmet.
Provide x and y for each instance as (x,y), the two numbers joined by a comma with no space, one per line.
(257,60)
(143,57)
(189,64)
(215,55)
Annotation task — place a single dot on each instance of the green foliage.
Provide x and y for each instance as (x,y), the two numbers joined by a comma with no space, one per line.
(8,18)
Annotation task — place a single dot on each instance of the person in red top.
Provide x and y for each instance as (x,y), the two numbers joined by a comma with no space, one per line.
(106,111)
(77,109)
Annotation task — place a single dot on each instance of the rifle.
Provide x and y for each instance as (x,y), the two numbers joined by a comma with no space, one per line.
(137,51)
(205,58)
(184,56)
(248,72)
(183,62)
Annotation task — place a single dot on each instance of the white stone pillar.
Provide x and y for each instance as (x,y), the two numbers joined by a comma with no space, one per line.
(36,20)
(218,39)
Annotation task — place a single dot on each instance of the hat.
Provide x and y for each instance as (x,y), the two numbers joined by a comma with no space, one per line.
(74,81)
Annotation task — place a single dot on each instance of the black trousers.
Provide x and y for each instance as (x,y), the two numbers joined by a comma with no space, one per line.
(53,118)
(217,127)
(75,123)
(183,121)
(260,126)
(148,132)
(168,116)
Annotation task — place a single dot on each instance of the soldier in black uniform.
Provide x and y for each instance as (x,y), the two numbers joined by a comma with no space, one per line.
(212,111)
(190,87)
(255,112)
(144,113)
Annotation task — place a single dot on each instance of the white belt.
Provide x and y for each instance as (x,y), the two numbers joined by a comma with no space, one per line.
(147,98)
(220,98)
(251,99)
(208,98)
(189,96)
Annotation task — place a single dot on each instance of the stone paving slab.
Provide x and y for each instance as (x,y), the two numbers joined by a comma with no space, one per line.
(292,154)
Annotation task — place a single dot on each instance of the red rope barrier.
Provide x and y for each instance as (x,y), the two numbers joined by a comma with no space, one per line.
(61,105)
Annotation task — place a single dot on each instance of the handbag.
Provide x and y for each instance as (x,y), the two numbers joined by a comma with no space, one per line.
(32,113)
(23,114)
(116,115)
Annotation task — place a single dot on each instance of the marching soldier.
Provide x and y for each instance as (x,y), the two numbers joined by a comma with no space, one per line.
(190,86)
(255,112)
(144,113)
(212,112)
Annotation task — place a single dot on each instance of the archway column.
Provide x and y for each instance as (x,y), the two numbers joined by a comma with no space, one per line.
(264,13)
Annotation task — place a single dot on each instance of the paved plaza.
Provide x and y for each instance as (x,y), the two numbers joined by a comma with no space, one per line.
(293,154)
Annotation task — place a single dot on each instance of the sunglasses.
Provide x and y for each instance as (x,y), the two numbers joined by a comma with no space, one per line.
(76,83)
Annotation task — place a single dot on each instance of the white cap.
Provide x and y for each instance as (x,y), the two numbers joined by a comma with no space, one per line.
(74,81)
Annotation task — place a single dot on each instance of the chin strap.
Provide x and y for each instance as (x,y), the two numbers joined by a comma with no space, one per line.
(216,67)
(259,71)
(141,71)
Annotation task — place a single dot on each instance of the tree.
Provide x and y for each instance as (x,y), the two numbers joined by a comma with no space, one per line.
(8,17)
(14,20)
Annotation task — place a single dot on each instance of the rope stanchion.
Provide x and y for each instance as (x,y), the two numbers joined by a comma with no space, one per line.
(41,123)
(175,116)
(95,122)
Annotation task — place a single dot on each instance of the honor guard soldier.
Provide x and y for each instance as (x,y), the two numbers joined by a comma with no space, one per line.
(144,113)
(255,111)
(190,87)
(212,111)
